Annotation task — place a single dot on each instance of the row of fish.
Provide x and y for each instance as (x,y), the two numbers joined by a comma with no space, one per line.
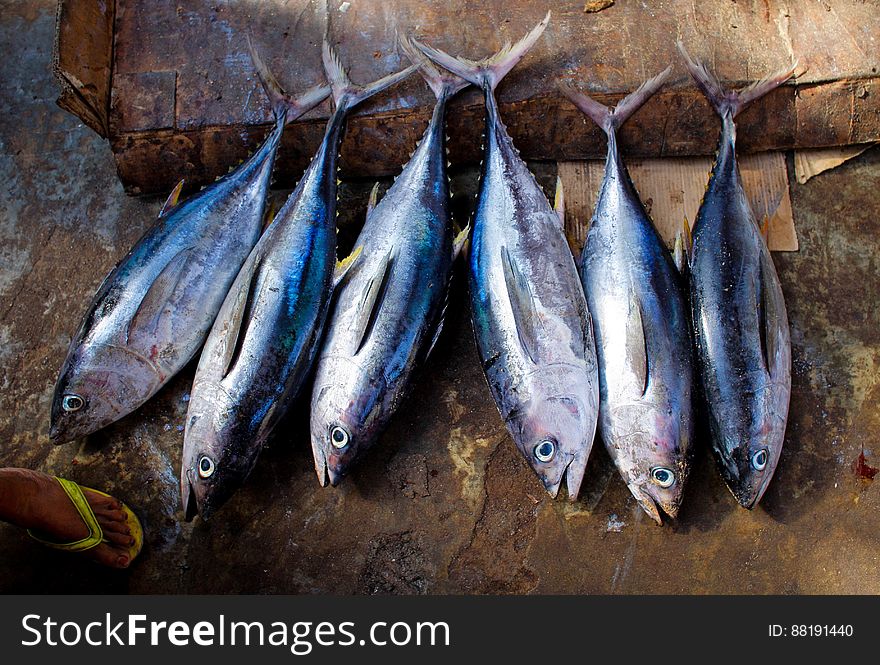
(564,347)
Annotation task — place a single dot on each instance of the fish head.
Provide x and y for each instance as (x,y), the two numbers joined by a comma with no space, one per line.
(650,445)
(346,416)
(555,435)
(98,385)
(218,452)
(748,463)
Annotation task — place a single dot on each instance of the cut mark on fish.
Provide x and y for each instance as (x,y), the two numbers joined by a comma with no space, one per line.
(241,312)
(371,302)
(523,306)
(145,321)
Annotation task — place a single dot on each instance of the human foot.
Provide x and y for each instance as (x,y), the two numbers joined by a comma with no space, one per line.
(37,501)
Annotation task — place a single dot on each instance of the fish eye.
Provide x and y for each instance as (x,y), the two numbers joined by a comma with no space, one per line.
(339,437)
(545,450)
(206,466)
(72,403)
(663,477)
(759,460)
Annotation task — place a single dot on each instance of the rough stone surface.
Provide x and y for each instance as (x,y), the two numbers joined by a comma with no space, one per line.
(444,504)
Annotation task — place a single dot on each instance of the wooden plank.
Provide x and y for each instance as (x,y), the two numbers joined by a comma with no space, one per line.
(83,59)
(202,44)
(672,190)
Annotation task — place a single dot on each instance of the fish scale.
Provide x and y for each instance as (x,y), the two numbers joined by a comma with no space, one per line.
(640,314)
(387,316)
(152,312)
(742,336)
(264,341)
(528,309)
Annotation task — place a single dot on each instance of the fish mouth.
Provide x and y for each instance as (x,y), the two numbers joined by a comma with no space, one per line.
(572,476)
(60,434)
(751,499)
(654,508)
(56,434)
(190,501)
(326,476)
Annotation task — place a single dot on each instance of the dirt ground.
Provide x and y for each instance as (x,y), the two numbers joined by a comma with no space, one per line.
(444,504)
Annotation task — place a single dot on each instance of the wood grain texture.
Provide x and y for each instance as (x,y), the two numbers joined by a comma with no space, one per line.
(672,190)
(202,45)
(83,59)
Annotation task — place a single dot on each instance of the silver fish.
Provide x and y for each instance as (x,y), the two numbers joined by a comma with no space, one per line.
(153,311)
(387,316)
(742,336)
(530,317)
(640,314)
(264,339)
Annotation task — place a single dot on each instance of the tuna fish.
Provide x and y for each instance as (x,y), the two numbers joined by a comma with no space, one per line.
(387,316)
(153,311)
(640,314)
(742,336)
(265,337)
(530,317)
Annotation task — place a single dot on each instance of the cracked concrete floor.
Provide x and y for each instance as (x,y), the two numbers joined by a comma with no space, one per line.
(444,504)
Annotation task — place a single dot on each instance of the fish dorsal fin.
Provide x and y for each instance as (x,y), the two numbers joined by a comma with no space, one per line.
(371,301)
(344,267)
(145,321)
(460,241)
(559,202)
(171,201)
(246,285)
(522,304)
(374,199)
(637,345)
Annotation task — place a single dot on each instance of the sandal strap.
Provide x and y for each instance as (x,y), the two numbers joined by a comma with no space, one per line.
(78,499)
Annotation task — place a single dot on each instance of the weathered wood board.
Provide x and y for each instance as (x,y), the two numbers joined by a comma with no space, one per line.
(672,190)
(183,99)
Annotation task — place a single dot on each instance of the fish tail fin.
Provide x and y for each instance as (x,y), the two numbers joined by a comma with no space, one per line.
(345,93)
(731,101)
(488,72)
(285,107)
(442,83)
(609,119)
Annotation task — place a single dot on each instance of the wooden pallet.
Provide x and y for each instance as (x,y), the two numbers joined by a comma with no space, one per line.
(171,85)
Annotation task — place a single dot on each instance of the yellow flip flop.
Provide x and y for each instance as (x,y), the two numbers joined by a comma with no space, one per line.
(96,534)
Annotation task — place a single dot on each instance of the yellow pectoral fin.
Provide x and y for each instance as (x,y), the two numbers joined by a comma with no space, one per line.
(346,264)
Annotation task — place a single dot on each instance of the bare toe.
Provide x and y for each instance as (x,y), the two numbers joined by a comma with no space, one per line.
(120,539)
(114,526)
(110,516)
(101,502)
(107,555)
